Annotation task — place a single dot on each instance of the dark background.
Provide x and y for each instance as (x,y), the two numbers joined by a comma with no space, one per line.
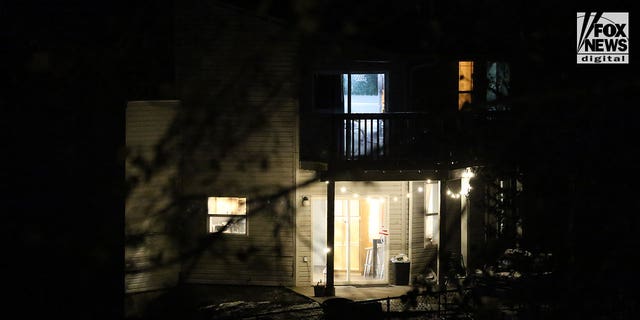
(71,66)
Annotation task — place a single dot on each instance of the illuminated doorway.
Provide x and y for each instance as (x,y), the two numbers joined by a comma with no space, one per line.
(360,239)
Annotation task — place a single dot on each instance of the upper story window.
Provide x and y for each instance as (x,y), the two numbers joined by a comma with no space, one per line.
(228,214)
(363,92)
(350,92)
(496,80)
(465,83)
(498,85)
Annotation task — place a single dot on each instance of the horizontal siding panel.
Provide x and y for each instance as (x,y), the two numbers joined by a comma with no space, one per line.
(265,270)
(200,33)
(146,123)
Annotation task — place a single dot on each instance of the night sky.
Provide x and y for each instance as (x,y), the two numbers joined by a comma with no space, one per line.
(70,67)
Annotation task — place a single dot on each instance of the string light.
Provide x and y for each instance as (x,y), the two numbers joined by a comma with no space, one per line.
(455,195)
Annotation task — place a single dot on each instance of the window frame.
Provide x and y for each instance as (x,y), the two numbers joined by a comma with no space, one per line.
(480,84)
(229,216)
(435,239)
(472,85)
(349,71)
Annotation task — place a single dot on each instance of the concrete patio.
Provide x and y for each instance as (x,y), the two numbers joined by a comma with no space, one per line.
(357,293)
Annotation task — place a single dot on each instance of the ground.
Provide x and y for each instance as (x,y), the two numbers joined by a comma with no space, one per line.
(221,302)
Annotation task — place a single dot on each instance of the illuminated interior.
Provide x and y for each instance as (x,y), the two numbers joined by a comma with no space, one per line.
(465,83)
(223,215)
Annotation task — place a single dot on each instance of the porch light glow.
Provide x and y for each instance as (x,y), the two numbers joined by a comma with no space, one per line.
(428,180)
(355,195)
(395,199)
(408,195)
(326,182)
(420,189)
(326,250)
(343,189)
(371,199)
(466,181)
(468,173)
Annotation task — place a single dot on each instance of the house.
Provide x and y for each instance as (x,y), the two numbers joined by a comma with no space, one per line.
(328,158)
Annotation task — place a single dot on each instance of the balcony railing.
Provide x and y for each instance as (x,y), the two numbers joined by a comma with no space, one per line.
(418,137)
(387,136)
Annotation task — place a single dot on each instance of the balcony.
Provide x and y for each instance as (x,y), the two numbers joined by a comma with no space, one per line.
(402,140)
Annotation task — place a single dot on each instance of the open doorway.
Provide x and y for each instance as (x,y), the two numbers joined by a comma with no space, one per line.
(360,239)
(364,96)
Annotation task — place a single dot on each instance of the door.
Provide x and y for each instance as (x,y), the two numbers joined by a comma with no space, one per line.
(358,225)
(346,239)
(364,93)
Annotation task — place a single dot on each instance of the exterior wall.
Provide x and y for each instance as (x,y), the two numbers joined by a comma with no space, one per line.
(146,124)
(421,255)
(303,227)
(235,75)
(398,219)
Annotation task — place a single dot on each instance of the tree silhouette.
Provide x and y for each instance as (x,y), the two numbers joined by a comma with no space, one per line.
(568,135)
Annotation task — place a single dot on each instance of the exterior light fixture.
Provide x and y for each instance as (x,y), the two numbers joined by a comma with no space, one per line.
(305,201)
(420,189)
(343,189)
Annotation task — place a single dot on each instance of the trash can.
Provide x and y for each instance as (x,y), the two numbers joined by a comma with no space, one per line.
(401,272)
(401,266)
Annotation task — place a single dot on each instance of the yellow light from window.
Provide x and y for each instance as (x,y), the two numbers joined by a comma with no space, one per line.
(227,205)
(465,82)
(465,76)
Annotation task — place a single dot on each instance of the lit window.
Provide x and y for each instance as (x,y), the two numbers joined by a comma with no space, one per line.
(465,83)
(498,85)
(497,81)
(432,209)
(363,92)
(228,214)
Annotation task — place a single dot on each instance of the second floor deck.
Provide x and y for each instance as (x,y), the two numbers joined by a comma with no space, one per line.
(407,140)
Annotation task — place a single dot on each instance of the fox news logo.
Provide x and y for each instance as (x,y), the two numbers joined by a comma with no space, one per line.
(603,37)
